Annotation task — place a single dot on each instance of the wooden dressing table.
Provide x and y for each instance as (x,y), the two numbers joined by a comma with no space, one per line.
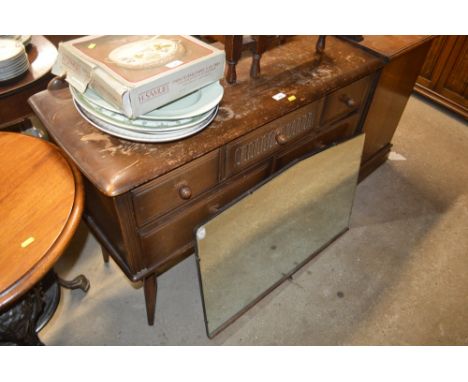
(144,200)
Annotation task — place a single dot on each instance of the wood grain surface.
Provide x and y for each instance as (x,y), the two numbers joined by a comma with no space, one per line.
(41,200)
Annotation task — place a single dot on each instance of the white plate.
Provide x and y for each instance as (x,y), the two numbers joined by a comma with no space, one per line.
(18,61)
(143,137)
(14,65)
(141,125)
(10,50)
(23,39)
(10,73)
(189,106)
(17,66)
(5,76)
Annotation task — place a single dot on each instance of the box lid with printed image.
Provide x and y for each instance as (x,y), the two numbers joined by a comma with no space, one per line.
(138,74)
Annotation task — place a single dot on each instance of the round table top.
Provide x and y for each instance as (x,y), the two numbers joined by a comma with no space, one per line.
(42,55)
(41,201)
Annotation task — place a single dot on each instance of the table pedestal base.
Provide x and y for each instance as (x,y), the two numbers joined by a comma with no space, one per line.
(18,324)
(21,323)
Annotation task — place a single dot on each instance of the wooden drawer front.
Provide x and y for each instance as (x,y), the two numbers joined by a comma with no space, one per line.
(164,194)
(337,132)
(271,137)
(177,234)
(346,100)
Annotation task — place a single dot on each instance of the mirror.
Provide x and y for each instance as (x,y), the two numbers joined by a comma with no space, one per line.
(253,245)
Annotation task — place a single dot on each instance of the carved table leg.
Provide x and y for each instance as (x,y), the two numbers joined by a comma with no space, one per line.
(233,48)
(79,282)
(150,286)
(105,254)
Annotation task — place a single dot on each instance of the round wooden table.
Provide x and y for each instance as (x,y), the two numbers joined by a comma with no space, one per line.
(14,94)
(41,202)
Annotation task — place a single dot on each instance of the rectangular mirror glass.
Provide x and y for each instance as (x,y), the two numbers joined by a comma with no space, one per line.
(253,245)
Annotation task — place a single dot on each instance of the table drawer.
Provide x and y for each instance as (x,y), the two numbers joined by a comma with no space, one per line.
(266,140)
(346,100)
(339,131)
(164,239)
(175,188)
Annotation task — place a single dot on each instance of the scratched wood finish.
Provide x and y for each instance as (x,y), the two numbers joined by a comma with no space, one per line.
(115,166)
(14,95)
(41,197)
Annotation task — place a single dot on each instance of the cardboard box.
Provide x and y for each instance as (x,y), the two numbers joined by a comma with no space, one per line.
(138,74)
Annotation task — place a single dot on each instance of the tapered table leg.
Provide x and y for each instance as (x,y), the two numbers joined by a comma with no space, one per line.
(150,287)
(105,254)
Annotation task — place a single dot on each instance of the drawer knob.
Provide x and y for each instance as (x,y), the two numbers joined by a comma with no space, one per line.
(281,139)
(185,192)
(348,101)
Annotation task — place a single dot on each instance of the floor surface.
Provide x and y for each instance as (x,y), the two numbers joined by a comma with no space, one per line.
(399,276)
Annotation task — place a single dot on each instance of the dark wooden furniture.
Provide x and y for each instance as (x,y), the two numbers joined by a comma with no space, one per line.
(14,109)
(444,76)
(144,200)
(57,39)
(404,57)
(234,45)
(41,201)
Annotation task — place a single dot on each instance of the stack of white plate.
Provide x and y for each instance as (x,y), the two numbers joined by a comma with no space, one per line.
(179,119)
(23,39)
(13,59)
